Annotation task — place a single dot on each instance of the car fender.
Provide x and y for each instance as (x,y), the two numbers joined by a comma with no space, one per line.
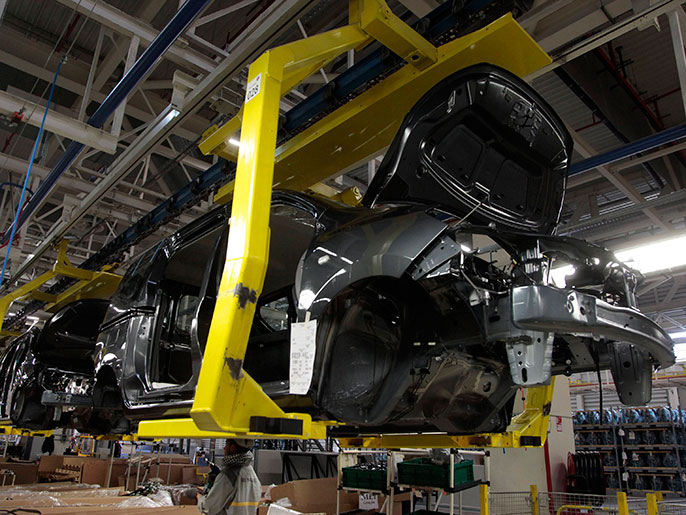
(378,246)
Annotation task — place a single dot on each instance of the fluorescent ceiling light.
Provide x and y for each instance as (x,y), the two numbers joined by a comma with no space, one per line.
(678,335)
(35,319)
(235,142)
(655,256)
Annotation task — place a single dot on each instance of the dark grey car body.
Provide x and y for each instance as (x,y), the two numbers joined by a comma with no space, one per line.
(415,331)
(57,357)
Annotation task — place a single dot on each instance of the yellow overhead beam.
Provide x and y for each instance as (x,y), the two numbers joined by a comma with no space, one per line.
(376,19)
(362,128)
(89,285)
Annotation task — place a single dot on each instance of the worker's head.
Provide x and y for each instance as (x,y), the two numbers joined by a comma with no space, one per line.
(238,445)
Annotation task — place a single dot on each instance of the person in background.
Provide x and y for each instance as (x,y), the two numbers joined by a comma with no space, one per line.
(236,490)
(48,446)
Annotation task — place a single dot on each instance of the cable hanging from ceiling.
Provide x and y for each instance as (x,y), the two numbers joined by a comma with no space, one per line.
(58,45)
(20,204)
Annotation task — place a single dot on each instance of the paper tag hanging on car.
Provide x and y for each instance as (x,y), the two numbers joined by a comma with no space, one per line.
(303,348)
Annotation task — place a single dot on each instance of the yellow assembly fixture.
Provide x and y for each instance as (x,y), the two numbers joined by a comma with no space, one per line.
(227,399)
(89,285)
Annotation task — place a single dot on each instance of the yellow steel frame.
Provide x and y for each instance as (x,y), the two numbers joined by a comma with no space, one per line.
(122,438)
(90,447)
(528,429)
(90,284)
(10,430)
(364,127)
(226,396)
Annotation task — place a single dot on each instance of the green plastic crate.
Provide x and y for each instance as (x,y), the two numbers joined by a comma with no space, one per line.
(355,477)
(422,472)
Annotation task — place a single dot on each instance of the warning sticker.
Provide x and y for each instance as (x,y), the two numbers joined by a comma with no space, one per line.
(253,88)
(303,347)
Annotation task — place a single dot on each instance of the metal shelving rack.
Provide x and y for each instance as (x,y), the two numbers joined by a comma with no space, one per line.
(609,448)
(390,489)
(393,487)
(624,472)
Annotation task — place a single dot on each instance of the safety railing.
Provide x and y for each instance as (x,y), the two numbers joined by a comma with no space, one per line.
(671,507)
(562,503)
(510,503)
(557,503)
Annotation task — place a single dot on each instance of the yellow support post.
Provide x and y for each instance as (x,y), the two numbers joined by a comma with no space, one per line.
(651,501)
(658,496)
(533,489)
(226,397)
(622,504)
(483,497)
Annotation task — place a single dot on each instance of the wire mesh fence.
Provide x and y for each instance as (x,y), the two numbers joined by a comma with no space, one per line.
(559,503)
(671,507)
(556,503)
(510,503)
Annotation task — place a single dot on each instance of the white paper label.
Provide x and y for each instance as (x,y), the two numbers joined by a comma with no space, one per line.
(369,501)
(303,347)
(253,88)
(625,476)
(620,432)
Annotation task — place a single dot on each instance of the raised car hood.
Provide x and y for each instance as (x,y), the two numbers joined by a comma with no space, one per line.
(481,144)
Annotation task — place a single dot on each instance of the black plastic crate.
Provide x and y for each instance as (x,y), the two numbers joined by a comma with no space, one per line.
(423,472)
(356,477)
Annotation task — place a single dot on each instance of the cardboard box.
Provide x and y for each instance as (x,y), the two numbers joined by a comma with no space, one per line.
(319,496)
(50,463)
(25,473)
(275,509)
(315,496)
(193,474)
(94,470)
(105,510)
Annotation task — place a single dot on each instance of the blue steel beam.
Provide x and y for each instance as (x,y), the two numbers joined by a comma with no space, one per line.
(633,148)
(138,72)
